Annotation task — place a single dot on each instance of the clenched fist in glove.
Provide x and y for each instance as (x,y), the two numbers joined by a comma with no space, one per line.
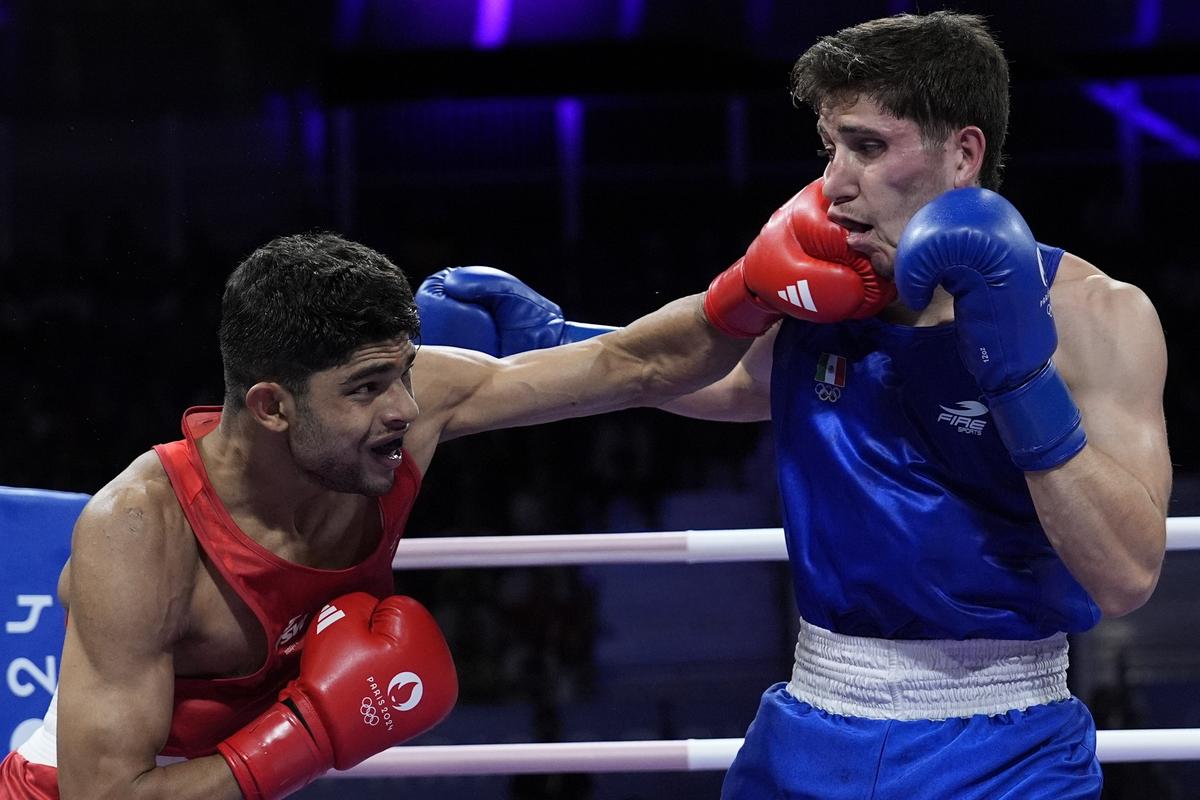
(799,265)
(972,242)
(374,673)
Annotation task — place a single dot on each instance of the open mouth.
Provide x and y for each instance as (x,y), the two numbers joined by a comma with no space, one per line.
(390,449)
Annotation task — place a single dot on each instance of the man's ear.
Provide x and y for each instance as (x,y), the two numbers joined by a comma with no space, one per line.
(970,144)
(270,405)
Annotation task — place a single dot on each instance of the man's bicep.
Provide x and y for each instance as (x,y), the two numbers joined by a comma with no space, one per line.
(465,392)
(655,359)
(117,680)
(110,726)
(1117,381)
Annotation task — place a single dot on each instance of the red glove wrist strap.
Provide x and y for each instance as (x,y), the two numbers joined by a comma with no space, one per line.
(274,755)
(733,310)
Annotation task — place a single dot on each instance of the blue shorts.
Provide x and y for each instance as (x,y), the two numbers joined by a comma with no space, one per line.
(794,752)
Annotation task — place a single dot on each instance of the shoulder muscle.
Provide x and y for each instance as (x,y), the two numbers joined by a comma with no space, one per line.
(131,564)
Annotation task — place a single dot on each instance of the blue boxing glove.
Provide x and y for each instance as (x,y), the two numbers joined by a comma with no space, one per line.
(975,244)
(489,310)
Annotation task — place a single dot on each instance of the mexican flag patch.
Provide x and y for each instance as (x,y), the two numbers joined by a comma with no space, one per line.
(831,369)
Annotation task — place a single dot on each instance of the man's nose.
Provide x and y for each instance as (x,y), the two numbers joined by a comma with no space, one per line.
(401,408)
(841,180)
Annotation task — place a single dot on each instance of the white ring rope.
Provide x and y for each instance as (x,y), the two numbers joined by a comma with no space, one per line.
(690,755)
(690,547)
(682,755)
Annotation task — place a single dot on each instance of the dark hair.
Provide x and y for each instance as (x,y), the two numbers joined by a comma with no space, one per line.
(942,71)
(301,304)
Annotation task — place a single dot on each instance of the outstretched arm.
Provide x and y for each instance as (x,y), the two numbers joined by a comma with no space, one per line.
(744,395)
(799,265)
(491,311)
(661,356)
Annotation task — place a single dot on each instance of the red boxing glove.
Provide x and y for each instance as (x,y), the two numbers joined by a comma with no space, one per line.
(799,265)
(732,309)
(373,674)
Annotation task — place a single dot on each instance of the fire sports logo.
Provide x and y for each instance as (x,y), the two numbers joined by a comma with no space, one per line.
(965,417)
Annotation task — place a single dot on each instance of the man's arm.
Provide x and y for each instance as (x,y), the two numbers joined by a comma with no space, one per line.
(115,691)
(661,356)
(491,311)
(799,265)
(1102,504)
(744,395)
(1105,509)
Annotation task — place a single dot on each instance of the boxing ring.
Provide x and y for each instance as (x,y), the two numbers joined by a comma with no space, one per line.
(687,755)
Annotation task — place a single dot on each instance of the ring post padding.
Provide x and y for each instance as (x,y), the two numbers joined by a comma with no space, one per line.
(1183,533)
(711,754)
(35,541)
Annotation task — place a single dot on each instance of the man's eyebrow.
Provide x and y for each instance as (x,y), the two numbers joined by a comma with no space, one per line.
(846,129)
(377,368)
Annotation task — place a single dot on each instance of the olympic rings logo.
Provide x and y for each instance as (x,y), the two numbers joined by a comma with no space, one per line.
(367,709)
(830,394)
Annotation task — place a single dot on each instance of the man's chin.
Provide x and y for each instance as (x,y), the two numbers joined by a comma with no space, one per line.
(881,261)
(378,487)
(883,264)
(345,482)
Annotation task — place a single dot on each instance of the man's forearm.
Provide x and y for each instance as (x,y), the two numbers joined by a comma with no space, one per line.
(679,349)
(207,778)
(1106,527)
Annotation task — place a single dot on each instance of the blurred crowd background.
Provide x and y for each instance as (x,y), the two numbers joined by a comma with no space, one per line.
(614,154)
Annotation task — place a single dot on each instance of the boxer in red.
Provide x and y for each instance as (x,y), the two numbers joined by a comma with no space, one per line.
(230,631)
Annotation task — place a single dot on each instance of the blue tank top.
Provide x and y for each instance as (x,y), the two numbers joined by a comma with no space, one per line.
(905,517)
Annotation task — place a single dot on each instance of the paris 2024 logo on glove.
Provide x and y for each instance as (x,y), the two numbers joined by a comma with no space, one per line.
(403,691)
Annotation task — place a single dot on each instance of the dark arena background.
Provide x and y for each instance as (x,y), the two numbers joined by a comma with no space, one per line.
(614,154)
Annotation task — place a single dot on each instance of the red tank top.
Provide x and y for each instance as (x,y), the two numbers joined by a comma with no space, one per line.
(283,596)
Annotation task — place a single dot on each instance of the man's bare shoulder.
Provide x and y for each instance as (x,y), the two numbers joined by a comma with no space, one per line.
(133,536)
(1102,321)
(451,372)
(1082,288)
(443,377)
(142,491)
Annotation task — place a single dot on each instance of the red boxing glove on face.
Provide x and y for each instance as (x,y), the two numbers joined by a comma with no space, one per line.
(373,674)
(799,265)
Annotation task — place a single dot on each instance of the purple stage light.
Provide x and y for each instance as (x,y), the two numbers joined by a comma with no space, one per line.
(348,22)
(1148,21)
(630,21)
(492,23)
(1124,100)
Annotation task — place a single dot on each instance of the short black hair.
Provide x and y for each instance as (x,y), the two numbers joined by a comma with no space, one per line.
(942,70)
(301,304)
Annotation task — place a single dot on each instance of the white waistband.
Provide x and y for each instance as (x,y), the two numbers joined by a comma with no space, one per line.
(42,746)
(856,676)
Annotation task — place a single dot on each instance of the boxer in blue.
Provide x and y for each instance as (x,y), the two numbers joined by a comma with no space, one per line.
(967,476)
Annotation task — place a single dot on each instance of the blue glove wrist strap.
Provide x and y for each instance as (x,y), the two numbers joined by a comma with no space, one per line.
(578,331)
(1038,421)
